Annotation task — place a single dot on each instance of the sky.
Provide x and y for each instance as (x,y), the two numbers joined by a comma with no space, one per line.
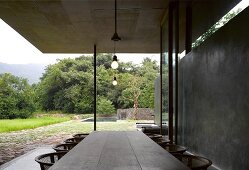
(15,49)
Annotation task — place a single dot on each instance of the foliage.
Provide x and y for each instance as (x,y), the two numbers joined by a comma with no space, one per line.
(16,97)
(133,91)
(68,85)
(104,106)
(7,125)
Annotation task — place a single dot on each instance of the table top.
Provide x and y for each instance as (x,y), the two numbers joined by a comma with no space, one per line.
(126,150)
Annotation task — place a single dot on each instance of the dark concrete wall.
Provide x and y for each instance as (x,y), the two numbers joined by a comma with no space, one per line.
(214,96)
(207,12)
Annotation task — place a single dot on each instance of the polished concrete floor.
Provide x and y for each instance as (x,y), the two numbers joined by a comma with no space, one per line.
(26,161)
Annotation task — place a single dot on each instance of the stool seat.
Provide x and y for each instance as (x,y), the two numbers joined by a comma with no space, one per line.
(171,148)
(74,140)
(154,137)
(194,162)
(163,142)
(47,160)
(64,147)
(79,135)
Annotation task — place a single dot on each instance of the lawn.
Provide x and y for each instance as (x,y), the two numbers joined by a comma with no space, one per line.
(19,142)
(7,125)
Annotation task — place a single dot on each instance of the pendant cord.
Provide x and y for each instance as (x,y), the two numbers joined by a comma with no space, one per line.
(115,16)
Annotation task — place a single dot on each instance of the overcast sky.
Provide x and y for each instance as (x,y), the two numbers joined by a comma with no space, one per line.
(14,49)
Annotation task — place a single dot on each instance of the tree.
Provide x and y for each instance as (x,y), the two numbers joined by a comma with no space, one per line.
(68,84)
(104,106)
(133,91)
(149,71)
(16,97)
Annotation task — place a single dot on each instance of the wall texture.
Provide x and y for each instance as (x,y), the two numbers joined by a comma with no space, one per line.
(214,96)
(142,114)
(207,12)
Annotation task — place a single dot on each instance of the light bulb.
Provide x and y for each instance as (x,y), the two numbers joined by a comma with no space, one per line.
(114,82)
(114,65)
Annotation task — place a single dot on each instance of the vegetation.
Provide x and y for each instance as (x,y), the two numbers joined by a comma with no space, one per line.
(104,106)
(7,125)
(17,97)
(67,87)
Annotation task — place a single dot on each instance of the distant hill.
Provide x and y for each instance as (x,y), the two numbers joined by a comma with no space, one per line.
(32,72)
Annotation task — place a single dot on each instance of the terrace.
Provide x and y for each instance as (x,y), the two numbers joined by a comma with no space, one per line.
(208,83)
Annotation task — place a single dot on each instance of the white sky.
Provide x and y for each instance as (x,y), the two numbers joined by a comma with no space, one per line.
(15,49)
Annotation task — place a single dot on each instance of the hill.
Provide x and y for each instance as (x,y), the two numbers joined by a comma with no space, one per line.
(32,72)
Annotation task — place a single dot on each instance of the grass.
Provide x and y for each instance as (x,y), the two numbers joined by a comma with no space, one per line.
(7,125)
(63,129)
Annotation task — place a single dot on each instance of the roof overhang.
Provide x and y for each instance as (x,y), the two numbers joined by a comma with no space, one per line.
(75,26)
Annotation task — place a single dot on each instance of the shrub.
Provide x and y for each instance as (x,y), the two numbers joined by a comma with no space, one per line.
(104,106)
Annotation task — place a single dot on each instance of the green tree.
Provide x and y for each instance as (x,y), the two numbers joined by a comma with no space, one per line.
(68,86)
(149,71)
(133,91)
(16,97)
(104,106)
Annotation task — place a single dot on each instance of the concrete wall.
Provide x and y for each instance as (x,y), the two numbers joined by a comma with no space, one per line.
(142,114)
(214,96)
(207,12)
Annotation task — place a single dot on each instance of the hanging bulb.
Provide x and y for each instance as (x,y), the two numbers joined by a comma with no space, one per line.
(114,82)
(114,64)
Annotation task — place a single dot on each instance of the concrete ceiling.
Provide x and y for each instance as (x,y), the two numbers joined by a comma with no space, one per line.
(74,26)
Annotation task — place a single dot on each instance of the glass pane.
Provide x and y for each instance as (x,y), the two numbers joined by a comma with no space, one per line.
(130,101)
(165,77)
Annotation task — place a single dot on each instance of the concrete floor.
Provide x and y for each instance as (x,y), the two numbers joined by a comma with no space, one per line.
(26,161)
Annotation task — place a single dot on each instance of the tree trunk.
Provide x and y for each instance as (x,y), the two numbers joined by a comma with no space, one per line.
(135,107)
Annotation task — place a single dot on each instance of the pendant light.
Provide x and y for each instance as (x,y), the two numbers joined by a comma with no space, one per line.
(114,82)
(115,38)
(114,64)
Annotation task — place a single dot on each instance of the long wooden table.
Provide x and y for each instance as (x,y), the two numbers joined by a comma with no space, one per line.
(109,150)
